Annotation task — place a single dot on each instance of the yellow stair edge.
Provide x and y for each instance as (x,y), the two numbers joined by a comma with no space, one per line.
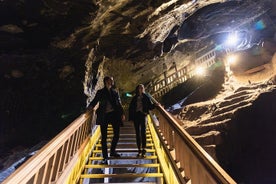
(125,158)
(120,165)
(124,175)
(118,150)
(129,144)
(126,135)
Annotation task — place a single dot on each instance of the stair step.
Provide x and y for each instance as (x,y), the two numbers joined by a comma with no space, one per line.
(126,135)
(132,183)
(120,165)
(126,158)
(125,128)
(125,145)
(126,150)
(124,175)
(122,146)
(125,132)
(125,140)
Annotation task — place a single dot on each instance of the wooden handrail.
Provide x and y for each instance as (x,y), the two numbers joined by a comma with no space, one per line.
(180,75)
(171,81)
(172,174)
(54,162)
(48,164)
(198,165)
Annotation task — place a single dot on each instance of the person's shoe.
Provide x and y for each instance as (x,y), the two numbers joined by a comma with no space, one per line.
(139,153)
(115,154)
(104,161)
(144,153)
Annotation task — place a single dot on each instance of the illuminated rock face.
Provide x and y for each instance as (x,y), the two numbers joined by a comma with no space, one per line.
(54,54)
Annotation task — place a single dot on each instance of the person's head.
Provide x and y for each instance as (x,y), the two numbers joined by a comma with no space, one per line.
(108,82)
(140,89)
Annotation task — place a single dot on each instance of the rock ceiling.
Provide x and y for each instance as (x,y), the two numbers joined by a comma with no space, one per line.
(140,33)
(150,34)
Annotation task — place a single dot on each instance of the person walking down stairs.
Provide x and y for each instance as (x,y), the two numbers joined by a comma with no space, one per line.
(139,108)
(110,111)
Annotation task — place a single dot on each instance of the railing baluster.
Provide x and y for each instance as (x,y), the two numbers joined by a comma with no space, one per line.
(72,151)
(44,172)
(49,169)
(54,166)
(63,156)
(31,180)
(40,174)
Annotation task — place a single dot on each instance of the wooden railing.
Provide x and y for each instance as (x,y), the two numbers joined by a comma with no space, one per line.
(62,159)
(161,87)
(166,82)
(172,173)
(53,163)
(197,164)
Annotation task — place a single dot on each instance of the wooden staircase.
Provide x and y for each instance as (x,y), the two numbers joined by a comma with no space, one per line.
(129,168)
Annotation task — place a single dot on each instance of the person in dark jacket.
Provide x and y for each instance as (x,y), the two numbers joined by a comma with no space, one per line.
(139,108)
(110,110)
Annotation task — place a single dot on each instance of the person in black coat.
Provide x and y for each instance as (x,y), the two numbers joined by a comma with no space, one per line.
(110,110)
(139,108)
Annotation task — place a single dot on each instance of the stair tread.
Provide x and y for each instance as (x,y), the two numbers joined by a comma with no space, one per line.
(127,135)
(120,165)
(125,145)
(125,158)
(131,183)
(126,150)
(123,175)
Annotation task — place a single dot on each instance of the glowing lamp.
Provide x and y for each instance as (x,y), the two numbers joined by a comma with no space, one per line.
(231,59)
(200,71)
(232,39)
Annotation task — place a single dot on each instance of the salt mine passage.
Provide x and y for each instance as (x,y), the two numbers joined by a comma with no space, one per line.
(189,96)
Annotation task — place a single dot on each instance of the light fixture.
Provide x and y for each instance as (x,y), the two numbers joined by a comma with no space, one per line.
(200,71)
(231,59)
(232,39)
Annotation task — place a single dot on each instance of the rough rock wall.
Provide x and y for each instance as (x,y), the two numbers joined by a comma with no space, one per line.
(40,73)
(237,127)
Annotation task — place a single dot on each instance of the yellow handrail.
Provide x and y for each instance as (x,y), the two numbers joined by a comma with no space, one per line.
(169,169)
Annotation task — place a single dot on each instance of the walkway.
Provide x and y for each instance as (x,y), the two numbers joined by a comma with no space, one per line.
(128,168)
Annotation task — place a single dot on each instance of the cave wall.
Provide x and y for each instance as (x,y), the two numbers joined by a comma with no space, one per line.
(41,75)
(249,150)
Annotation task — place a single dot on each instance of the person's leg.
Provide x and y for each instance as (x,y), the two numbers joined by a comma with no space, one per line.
(137,132)
(143,131)
(116,134)
(143,134)
(103,142)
